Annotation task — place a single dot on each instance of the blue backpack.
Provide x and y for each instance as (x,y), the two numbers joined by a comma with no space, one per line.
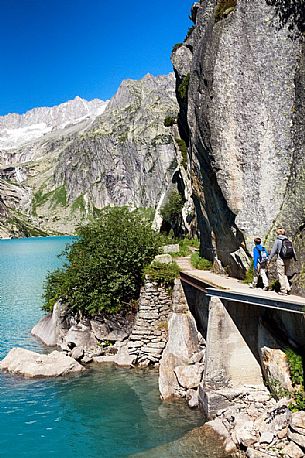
(263,257)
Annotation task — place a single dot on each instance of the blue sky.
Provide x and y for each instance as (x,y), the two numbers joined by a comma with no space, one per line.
(53,50)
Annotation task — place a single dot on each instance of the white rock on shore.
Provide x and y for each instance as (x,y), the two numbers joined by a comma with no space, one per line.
(47,329)
(30,364)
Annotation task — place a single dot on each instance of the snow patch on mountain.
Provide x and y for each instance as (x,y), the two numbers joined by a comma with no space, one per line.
(16,129)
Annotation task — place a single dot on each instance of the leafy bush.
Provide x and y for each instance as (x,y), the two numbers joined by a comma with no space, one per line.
(249,275)
(189,32)
(298,402)
(185,245)
(277,390)
(183,87)
(164,274)
(169,121)
(183,149)
(200,263)
(171,210)
(295,365)
(105,265)
(223,8)
(176,46)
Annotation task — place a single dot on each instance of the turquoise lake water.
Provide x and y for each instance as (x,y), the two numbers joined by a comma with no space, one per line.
(106,413)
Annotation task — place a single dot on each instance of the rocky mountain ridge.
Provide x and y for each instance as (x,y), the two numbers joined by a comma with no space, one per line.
(122,156)
(17,129)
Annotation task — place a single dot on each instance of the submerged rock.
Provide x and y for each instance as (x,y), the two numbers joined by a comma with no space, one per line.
(30,364)
(123,358)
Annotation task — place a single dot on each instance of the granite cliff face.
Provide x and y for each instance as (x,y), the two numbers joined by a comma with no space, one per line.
(245,122)
(59,165)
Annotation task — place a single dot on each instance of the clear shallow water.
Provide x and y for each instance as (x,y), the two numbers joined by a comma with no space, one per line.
(108,412)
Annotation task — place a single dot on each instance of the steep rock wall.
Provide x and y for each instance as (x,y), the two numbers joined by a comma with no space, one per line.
(246,120)
(128,156)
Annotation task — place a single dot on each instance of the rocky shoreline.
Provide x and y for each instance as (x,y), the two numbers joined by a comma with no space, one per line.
(261,427)
(163,334)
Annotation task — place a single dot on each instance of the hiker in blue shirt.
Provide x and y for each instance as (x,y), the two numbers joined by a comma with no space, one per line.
(260,260)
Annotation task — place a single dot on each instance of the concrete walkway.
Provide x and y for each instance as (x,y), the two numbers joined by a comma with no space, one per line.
(228,287)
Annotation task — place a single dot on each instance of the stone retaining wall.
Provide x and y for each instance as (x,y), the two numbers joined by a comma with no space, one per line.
(149,334)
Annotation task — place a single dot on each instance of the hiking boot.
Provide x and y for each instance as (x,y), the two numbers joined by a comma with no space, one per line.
(251,285)
(265,288)
(282,293)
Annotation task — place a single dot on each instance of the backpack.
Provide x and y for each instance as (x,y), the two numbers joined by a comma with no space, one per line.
(287,251)
(263,257)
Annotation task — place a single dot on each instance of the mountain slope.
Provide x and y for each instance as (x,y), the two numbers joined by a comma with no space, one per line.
(124,155)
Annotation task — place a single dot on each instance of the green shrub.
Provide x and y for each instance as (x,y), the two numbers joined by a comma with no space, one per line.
(163,274)
(295,364)
(200,263)
(185,246)
(189,32)
(183,87)
(169,121)
(183,149)
(249,275)
(277,390)
(59,196)
(105,265)
(298,402)
(223,8)
(79,204)
(171,210)
(176,46)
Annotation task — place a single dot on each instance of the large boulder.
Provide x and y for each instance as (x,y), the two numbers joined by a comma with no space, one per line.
(48,329)
(274,362)
(80,335)
(30,364)
(123,358)
(182,344)
(189,376)
(275,368)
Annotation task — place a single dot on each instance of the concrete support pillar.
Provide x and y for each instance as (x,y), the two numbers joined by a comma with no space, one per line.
(230,363)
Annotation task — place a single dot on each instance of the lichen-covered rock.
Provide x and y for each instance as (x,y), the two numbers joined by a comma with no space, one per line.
(30,364)
(276,369)
(244,430)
